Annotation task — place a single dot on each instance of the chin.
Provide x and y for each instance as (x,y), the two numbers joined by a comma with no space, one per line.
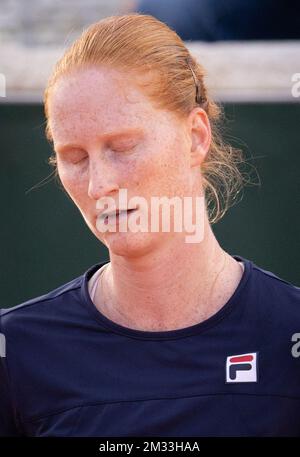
(131,244)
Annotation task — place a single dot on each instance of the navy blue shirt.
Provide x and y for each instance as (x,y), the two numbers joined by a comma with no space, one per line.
(70,371)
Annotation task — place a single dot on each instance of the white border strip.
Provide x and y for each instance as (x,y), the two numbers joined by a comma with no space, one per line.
(235,71)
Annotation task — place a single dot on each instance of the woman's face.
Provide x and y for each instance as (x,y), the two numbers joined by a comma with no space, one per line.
(108,136)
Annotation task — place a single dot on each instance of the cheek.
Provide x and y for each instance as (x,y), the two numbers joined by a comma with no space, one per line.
(164,170)
(74,182)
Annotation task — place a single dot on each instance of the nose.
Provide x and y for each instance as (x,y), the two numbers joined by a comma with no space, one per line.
(102,180)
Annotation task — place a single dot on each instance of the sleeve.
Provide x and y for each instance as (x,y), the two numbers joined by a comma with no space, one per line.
(8,425)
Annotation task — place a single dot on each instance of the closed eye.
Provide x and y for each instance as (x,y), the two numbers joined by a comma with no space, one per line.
(123,148)
(74,157)
(80,160)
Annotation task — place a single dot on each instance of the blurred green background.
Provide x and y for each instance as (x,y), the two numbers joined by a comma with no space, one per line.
(45,242)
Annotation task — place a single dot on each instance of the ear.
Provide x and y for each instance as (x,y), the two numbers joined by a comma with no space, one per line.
(200,134)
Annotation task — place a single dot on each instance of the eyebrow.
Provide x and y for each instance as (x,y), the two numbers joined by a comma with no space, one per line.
(60,147)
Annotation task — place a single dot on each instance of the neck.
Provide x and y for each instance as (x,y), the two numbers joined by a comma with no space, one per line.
(180,285)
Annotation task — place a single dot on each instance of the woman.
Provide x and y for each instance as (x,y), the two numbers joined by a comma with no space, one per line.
(170,337)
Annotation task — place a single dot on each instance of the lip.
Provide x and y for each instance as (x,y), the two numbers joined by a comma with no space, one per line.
(117,213)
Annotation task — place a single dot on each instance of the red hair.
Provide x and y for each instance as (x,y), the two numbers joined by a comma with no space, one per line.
(172,79)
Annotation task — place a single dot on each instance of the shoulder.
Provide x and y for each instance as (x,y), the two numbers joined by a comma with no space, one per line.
(271,298)
(39,304)
(276,289)
(275,304)
(268,281)
(44,309)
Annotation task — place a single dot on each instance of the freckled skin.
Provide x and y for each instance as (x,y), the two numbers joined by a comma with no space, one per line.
(91,102)
(155,281)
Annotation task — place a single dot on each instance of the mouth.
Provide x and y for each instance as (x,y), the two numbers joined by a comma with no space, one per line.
(118,213)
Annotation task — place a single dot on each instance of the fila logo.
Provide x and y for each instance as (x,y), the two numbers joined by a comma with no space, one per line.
(241,368)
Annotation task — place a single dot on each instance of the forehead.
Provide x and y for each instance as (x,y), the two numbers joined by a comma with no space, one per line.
(98,97)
